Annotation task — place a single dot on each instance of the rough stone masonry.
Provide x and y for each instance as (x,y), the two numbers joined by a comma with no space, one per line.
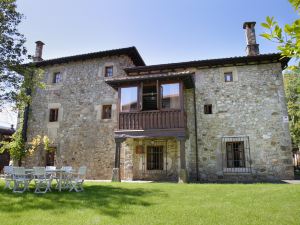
(241,135)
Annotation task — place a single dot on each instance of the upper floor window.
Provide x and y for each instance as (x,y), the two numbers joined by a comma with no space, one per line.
(108,71)
(170,96)
(53,115)
(106,112)
(208,109)
(57,78)
(228,77)
(129,99)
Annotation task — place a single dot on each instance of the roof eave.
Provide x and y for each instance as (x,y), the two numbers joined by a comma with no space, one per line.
(243,60)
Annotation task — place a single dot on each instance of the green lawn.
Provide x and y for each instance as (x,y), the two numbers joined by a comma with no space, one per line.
(156,203)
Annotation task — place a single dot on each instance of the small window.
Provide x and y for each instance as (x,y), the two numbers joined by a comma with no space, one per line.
(155,158)
(57,78)
(50,156)
(208,109)
(228,77)
(53,115)
(108,71)
(106,112)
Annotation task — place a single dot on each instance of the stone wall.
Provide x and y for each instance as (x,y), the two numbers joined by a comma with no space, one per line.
(80,135)
(134,166)
(253,105)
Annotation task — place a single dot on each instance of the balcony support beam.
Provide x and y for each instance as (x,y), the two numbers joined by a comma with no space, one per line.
(116,177)
(183,176)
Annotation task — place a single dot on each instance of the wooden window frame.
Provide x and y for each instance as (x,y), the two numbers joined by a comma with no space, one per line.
(105,115)
(106,71)
(207,109)
(53,115)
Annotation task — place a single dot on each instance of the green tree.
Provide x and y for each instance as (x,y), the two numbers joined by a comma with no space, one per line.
(288,40)
(288,37)
(17,81)
(12,53)
(292,90)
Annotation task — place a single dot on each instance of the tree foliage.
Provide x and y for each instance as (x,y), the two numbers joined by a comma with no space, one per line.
(292,90)
(287,37)
(288,40)
(12,52)
(18,148)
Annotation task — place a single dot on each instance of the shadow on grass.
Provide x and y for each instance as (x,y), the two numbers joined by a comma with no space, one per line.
(104,199)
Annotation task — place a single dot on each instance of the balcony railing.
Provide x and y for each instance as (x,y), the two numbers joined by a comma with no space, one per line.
(152,120)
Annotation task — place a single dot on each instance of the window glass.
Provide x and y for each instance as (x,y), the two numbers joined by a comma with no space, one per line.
(129,98)
(228,77)
(155,160)
(109,71)
(106,112)
(208,109)
(57,78)
(170,96)
(235,154)
(53,115)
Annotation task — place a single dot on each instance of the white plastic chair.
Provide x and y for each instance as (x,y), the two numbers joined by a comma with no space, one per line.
(77,179)
(66,177)
(42,181)
(21,179)
(50,171)
(8,176)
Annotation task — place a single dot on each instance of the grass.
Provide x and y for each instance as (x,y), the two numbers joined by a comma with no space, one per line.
(155,203)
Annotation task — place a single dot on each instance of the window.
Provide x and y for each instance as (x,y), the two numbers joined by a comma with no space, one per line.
(149,97)
(57,78)
(155,158)
(106,112)
(235,153)
(208,109)
(53,115)
(108,71)
(129,99)
(170,96)
(228,77)
(50,156)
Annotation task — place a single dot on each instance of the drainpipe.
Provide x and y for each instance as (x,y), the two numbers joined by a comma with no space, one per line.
(196,135)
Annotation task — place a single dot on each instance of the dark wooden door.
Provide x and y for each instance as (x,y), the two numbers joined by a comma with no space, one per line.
(4,160)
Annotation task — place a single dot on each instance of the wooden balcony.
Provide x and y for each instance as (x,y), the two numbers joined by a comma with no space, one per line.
(147,120)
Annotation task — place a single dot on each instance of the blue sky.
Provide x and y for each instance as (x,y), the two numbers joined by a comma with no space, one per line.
(163,30)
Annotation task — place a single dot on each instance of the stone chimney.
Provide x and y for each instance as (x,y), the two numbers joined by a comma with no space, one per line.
(252,48)
(38,51)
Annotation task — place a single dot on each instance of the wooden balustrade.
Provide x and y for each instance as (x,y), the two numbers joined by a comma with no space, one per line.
(145,120)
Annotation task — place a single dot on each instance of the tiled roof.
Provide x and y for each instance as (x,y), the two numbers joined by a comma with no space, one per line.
(132,52)
(238,60)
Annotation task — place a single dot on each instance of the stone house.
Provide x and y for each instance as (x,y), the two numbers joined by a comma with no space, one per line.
(206,120)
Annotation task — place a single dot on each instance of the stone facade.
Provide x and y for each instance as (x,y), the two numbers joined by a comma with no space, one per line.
(251,107)
(80,135)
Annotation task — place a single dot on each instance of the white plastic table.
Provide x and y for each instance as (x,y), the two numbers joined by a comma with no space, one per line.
(59,171)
